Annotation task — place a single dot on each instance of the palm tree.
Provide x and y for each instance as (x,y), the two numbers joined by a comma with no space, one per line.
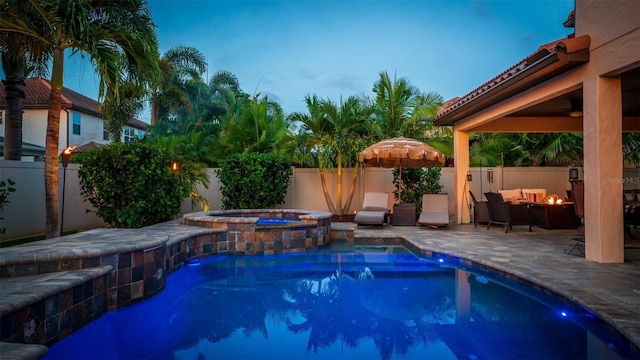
(335,133)
(180,65)
(118,107)
(13,66)
(20,56)
(396,102)
(260,127)
(101,30)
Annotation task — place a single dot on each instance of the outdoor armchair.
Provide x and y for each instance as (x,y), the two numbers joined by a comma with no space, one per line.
(480,211)
(577,194)
(505,213)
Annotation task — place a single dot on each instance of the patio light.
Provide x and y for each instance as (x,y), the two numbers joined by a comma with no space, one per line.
(576,108)
(573,171)
(174,166)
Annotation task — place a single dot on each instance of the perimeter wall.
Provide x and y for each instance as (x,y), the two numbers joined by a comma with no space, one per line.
(24,215)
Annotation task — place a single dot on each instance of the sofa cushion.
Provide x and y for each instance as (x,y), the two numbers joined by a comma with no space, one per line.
(511,194)
(534,195)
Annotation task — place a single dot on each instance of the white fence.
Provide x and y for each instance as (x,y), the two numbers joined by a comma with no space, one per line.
(24,215)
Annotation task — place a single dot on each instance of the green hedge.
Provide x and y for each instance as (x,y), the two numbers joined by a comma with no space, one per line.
(253,181)
(131,185)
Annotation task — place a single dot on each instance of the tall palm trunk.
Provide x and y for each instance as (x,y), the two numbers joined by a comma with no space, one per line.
(339,190)
(14,89)
(51,153)
(325,191)
(352,190)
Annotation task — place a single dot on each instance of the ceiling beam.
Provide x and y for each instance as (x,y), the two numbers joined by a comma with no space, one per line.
(532,124)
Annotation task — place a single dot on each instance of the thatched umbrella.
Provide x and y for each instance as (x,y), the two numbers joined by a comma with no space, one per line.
(401,152)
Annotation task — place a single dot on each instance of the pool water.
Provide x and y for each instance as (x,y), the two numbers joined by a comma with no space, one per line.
(363,302)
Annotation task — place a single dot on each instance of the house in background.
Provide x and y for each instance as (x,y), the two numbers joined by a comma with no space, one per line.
(80,121)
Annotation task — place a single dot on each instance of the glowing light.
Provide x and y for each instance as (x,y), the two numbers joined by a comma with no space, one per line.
(174,166)
(563,314)
(441,260)
(66,154)
(193,262)
(69,150)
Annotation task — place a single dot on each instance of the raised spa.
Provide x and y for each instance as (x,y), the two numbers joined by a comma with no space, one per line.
(265,231)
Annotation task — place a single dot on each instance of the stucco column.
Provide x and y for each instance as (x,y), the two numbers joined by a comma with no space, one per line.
(461,163)
(603,169)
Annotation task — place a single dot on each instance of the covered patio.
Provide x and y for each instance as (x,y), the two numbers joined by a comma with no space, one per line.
(588,82)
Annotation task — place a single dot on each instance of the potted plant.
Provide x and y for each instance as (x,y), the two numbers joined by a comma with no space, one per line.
(415,183)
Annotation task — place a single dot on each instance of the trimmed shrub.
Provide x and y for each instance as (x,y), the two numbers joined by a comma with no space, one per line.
(253,181)
(131,185)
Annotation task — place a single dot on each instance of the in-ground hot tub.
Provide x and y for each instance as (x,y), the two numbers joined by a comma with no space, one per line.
(265,231)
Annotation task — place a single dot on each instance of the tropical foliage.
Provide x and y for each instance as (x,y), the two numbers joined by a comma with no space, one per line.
(332,135)
(132,185)
(526,149)
(415,183)
(208,120)
(101,30)
(253,181)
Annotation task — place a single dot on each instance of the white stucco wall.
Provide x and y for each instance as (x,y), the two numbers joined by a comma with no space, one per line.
(25,214)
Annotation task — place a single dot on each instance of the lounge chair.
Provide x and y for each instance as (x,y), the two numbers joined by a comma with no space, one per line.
(435,210)
(480,211)
(505,213)
(375,209)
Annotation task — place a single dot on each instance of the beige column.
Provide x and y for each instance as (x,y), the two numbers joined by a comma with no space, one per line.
(603,166)
(461,162)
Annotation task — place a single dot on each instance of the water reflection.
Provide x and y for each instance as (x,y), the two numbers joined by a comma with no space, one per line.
(399,303)
(361,304)
(348,305)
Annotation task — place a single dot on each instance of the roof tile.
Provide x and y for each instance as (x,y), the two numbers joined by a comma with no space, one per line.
(568,45)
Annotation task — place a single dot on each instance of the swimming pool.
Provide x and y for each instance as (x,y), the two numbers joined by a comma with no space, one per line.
(378,301)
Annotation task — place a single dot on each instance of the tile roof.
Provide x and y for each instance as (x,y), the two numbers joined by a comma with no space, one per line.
(88,146)
(567,45)
(37,92)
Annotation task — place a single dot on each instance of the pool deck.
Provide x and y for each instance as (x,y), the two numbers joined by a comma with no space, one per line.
(611,291)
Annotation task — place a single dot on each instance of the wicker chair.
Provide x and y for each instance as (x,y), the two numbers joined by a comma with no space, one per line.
(577,195)
(480,211)
(506,213)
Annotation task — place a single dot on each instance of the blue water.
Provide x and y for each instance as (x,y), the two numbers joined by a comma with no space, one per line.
(377,302)
(272,222)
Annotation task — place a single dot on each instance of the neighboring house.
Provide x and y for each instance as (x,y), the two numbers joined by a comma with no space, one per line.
(80,121)
(588,82)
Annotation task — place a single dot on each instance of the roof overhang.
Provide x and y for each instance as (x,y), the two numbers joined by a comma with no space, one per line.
(541,66)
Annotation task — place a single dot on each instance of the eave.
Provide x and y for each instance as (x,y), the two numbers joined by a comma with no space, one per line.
(535,69)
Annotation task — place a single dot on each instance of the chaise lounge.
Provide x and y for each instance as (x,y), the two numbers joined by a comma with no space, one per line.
(435,210)
(375,209)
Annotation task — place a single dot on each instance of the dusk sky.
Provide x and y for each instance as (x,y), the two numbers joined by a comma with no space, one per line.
(288,49)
